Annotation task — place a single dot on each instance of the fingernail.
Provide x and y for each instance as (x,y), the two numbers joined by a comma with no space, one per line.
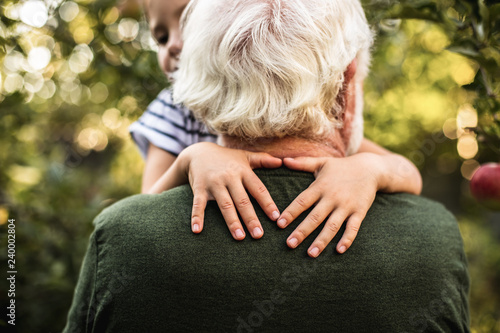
(275,215)
(293,242)
(282,223)
(239,233)
(342,249)
(314,252)
(196,227)
(257,232)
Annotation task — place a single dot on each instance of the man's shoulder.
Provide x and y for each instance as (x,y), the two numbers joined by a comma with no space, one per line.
(406,216)
(411,203)
(147,207)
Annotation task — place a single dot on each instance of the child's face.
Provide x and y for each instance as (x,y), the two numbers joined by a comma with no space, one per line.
(164,17)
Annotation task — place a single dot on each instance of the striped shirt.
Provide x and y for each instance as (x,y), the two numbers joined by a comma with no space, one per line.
(171,127)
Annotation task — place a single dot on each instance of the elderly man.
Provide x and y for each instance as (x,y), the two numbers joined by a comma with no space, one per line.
(282,77)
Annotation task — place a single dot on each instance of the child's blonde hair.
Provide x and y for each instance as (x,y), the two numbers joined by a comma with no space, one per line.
(270,68)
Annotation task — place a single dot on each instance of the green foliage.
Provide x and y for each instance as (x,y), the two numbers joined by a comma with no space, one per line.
(72,82)
(63,133)
(473,30)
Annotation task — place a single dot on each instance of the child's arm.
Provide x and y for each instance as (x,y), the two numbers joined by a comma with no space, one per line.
(401,175)
(223,174)
(158,161)
(345,189)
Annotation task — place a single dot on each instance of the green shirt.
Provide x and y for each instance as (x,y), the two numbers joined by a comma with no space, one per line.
(145,271)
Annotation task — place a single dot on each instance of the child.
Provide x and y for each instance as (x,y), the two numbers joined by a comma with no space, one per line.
(178,150)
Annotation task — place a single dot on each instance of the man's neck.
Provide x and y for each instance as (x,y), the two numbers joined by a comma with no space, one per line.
(332,144)
(290,146)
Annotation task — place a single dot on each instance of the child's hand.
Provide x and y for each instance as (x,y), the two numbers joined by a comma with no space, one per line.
(223,174)
(344,188)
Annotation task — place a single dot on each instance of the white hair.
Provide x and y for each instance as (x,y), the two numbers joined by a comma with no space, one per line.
(271,68)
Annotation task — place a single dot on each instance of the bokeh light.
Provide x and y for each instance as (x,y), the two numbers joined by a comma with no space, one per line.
(112,33)
(14,62)
(112,118)
(4,215)
(12,83)
(12,10)
(25,175)
(99,92)
(467,117)
(467,146)
(80,59)
(39,57)
(69,11)
(468,168)
(435,40)
(83,34)
(33,82)
(112,14)
(450,128)
(463,73)
(48,90)
(34,13)
(92,138)
(128,29)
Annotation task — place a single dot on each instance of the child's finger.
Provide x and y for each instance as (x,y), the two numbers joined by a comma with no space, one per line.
(198,211)
(299,205)
(258,190)
(351,231)
(306,227)
(263,160)
(226,206)
(332,226)
(245,208)
(307,164)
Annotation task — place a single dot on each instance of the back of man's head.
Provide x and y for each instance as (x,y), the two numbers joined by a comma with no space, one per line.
(270,68)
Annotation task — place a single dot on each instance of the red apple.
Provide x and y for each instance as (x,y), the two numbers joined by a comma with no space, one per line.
(485,185)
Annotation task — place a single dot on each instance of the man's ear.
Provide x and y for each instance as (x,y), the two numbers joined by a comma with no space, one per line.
(346,97)
(349,99)
(350,72)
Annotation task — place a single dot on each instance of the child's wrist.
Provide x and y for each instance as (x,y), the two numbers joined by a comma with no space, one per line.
(379,170)
(183,161)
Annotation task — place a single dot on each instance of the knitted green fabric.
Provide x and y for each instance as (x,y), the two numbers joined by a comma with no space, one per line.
(145,271)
